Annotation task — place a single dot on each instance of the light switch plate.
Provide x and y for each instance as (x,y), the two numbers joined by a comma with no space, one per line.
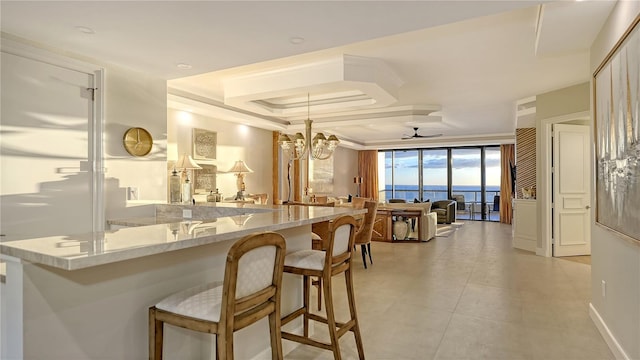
(132,193)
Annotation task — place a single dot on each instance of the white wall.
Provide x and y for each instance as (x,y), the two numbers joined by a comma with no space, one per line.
(134,99)
(552,107)
(235,142)
(614,259)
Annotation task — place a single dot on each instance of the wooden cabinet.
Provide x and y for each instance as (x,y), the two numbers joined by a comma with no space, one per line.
(382,228)
(383,224)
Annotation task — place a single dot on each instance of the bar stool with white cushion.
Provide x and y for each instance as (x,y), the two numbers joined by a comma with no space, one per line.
(251,291)
(336,259)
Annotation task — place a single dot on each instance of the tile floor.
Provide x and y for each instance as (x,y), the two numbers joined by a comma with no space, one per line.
(467,296)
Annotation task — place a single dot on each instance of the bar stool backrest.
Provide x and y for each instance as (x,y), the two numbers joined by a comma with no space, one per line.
(253,278)
(341,240)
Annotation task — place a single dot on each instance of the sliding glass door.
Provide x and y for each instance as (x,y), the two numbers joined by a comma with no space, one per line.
(434,174)
(492,176)
(470,175)
(466,181)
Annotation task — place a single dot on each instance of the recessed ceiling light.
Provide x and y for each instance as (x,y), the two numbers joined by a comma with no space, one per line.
(184,66)
(85,30)
(296,40)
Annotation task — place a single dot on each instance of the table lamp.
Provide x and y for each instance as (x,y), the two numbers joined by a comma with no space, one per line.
(240,168)
(358,181)
(185,163)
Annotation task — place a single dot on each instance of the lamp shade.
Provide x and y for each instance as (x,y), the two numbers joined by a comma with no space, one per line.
(240,167)
(186,162)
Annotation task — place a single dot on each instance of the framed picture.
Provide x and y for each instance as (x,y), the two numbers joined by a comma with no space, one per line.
(204,180)
(204,144)
(617,132)
(321,176)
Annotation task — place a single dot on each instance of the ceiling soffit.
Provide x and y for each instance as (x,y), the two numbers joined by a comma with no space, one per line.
(334,85)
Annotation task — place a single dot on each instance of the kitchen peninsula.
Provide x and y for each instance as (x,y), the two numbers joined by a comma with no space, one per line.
(86,296)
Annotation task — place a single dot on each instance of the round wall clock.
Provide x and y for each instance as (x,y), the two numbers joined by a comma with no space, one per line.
(137,141)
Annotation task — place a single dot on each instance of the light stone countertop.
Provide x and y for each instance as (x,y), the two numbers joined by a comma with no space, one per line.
(79,251)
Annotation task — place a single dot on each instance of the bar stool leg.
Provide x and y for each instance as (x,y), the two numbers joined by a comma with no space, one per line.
(274,330)
(352,310)
(318,283)
(306,283)
(155,336)
(331,318)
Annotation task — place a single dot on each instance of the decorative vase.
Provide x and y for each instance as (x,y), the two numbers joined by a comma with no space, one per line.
(400,229)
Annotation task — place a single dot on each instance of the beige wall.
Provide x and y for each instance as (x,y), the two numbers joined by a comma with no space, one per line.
(345,168)
(569,100)
(235,142)
(614,259)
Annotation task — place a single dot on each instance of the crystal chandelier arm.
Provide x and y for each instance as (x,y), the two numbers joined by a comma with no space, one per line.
(294,146)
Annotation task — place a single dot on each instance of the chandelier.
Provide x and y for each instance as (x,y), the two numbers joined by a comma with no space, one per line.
(298,145)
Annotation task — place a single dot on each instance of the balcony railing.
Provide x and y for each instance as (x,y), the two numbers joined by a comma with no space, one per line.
(473,206)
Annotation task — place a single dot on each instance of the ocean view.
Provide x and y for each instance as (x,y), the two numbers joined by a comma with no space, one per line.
(439,192)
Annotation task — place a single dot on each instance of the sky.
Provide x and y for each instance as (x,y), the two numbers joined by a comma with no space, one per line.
(466,167)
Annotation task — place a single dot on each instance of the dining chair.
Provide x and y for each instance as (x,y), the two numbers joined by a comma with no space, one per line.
(363,235)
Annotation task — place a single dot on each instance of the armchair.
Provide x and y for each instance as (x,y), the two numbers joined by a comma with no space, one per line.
(445,210)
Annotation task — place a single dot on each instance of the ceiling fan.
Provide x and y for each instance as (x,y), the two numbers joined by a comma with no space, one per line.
(418,136)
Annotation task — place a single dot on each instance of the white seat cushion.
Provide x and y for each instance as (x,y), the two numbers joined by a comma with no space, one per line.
(200,302)
(306,259)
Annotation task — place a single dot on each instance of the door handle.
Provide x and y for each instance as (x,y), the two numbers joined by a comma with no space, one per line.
(587,207)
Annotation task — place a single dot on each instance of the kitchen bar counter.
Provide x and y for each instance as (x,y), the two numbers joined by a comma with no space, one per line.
(87,296)
(162,234)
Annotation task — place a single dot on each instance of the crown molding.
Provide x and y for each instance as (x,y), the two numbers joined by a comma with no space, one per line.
(337,84)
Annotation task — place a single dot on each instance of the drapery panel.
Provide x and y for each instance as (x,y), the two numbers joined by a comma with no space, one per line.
(507,156)
(368,170)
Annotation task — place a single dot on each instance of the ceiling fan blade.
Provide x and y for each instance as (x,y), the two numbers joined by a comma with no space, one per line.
(418,136)
(428,136)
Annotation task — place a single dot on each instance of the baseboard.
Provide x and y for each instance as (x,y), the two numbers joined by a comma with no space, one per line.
(524,244)
(287,346)
(611,341)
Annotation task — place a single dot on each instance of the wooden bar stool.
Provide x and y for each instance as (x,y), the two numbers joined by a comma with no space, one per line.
(326,264)
(250,291)
(362,237)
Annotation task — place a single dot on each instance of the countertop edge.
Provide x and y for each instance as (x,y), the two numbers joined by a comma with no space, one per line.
(94,260)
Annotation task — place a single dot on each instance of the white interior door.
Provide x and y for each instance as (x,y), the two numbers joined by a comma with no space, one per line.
(47,174)
(571,190)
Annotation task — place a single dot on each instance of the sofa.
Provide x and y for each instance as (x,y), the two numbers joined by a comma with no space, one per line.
(427,220)
(445,210)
